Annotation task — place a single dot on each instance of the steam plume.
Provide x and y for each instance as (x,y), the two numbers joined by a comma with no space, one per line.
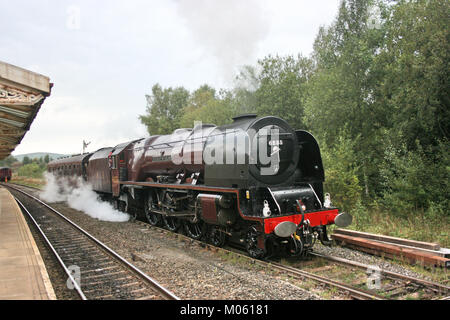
(80,196)
(230,30)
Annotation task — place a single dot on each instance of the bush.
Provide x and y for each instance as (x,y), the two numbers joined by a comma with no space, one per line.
(341,179)
(32,170)
(361,216)
(416,180)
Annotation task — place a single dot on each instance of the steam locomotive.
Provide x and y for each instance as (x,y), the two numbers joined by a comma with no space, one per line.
(255,182)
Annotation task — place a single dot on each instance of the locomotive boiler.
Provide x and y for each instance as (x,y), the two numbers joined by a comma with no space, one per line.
(255,182)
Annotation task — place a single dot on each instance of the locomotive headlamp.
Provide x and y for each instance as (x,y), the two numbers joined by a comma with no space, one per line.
(247,194)
(285,229)
(343,220)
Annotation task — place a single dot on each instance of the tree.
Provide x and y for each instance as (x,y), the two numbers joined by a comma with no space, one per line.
(282,88)
(341,173)
(208,107)
(164,108)
(242,98)
(414,61)
(341,93)
(32,170)
(389,88)
(26,160)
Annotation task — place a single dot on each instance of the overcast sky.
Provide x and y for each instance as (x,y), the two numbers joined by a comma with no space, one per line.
(104,56)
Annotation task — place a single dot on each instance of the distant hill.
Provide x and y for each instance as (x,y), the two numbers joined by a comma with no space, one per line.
(37,155)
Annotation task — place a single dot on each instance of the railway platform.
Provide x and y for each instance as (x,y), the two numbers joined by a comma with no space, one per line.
(23,275)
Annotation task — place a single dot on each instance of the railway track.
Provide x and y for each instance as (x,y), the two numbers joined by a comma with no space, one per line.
(390,285)
(344,289)
(415,252)
(395,286)
(419,284)
(94,270)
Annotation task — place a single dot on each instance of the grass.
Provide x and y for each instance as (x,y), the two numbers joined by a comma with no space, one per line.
(27,181)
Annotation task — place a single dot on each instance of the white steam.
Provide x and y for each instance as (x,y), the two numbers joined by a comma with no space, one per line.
(230,30)
(52,191)
(80,196)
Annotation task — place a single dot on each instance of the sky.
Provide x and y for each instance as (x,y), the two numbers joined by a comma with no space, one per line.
(104,56)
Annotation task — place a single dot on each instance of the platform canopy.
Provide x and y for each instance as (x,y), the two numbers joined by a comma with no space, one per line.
(22,93)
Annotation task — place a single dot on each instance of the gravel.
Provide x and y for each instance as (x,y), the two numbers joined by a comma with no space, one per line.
(55,272)
(186,268)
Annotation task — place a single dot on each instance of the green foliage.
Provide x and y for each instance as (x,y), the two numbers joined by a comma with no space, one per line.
(164,108)
(388,86)
(415,84)
(33,170)
(26,160)
(341,180)
(205,106)
(282,88)
(415,180)
(361,216)
(341,90)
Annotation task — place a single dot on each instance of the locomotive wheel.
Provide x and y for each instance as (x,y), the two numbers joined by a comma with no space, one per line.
(251,244)
(154,219)
(172,224)
(217,237)
(194,230)
(122,206)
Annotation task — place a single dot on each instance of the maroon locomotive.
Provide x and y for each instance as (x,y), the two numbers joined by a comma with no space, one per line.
(5,174)
(255,182)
